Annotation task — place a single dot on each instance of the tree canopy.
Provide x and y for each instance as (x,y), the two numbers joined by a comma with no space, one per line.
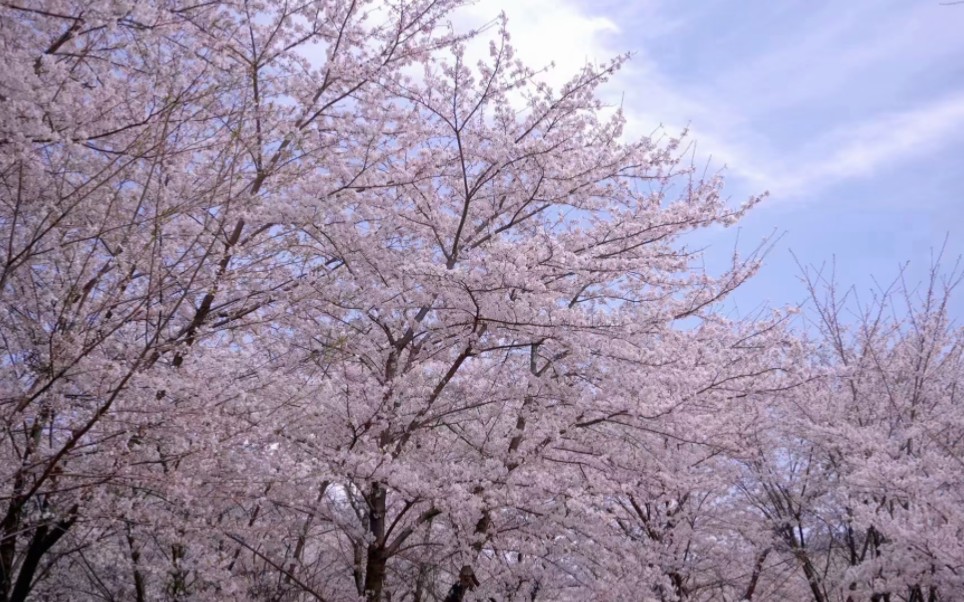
(298,302)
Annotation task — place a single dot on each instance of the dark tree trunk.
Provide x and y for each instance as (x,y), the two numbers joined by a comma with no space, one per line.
(44,538)
(377,560)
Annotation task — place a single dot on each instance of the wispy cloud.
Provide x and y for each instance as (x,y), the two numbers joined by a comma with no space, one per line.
(866,147)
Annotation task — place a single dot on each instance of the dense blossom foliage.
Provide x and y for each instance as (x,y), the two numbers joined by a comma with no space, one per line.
(299,303)
(861,477)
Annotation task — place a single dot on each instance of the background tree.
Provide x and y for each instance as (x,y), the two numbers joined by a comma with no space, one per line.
(861,484)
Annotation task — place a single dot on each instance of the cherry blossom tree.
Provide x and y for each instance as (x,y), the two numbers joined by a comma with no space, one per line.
(300,302)
(137,147)
(860,481)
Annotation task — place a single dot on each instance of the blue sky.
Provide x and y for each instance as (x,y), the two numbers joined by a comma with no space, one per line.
(851,114)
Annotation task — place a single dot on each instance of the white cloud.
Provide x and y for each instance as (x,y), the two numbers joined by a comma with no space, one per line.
(545,32)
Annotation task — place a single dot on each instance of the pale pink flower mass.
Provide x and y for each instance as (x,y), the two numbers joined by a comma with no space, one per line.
(298,302)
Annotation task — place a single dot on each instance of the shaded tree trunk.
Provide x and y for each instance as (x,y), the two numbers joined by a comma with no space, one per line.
(377,560)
